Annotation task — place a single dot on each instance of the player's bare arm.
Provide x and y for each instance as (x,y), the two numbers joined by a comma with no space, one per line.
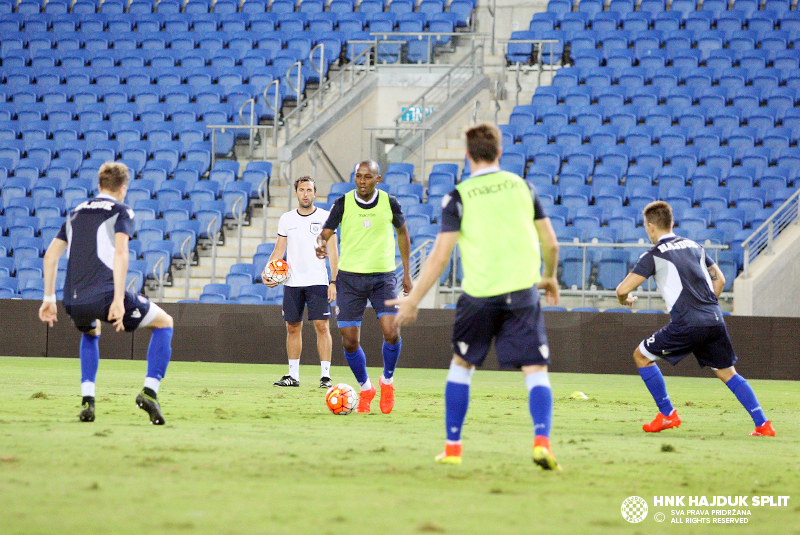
(404,244)
(117,309)
(48,310)
(717,279)
(333,256)
(629,284)
(549,245)
(434,265)
(278,252)
(322,242)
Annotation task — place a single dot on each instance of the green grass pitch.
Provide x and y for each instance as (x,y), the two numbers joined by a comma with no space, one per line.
(238,456)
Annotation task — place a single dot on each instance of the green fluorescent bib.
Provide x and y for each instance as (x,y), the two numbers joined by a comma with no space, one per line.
(367,236)
(498,240)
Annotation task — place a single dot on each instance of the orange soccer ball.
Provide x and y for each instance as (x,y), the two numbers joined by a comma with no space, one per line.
(341,399)
(277,271)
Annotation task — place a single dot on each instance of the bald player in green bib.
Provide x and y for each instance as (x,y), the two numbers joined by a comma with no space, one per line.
(367,219)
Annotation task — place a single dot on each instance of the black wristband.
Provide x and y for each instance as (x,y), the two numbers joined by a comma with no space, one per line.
(332,282)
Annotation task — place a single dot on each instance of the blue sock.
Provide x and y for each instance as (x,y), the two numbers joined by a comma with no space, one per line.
(744,393)
(540,402)
(456,400)
(357,361)
(391,352)
(652,377)
(90,357)
(159,352)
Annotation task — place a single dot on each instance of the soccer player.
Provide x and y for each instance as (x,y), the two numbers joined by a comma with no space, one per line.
(308,283)
(504,234)
(95,237)
(690,283)
(368,218)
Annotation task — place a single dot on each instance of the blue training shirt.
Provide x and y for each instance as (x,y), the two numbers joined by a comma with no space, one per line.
(90,231)
(680,267)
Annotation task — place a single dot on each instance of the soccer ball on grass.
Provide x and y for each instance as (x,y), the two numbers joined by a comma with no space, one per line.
(341,399)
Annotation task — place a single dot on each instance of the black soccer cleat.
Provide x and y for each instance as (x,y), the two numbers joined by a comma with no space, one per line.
(87,414)
(325,382)
(287,380)
(150,405)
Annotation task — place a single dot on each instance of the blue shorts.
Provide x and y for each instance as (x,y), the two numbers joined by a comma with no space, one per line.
(514,321)
(710,344)
(354,289)
(295,299)
(139,312)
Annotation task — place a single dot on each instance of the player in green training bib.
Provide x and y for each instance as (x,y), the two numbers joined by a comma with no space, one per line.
(368,218)
(504,235)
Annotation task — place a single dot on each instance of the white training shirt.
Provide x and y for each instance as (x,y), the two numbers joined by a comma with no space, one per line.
(301,232)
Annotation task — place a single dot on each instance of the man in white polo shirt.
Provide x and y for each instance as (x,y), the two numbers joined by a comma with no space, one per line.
(308,283)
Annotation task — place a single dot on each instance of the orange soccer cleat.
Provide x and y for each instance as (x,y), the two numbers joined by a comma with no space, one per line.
(450,455)
(364,399)
(764,430)
(387,397)
(542,454)
(662,422)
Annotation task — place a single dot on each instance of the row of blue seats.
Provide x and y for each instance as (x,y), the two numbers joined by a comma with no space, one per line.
(724,58)
(233,33)
(237,290)
(562,7)
(734,19)
(226,8)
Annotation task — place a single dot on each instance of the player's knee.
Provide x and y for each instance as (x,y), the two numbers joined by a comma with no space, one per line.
(391,337)
(640,360)
(294,327)
(162,321)
(350,344)
(322,327)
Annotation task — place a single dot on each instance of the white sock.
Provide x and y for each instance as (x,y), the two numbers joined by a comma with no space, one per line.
(152,383)
(324,368)
(87,389)
(460,375)
(367,385)
(294,369)
(386,381)
(533,380)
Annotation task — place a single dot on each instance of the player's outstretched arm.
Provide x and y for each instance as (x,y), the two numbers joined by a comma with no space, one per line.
(322,242)
(404,244)
(117,309)
(278,252)
(436,262)
(629,284)
(48,310)
(549,244)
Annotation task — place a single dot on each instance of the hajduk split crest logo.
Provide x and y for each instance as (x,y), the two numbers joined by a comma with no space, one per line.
(634,509)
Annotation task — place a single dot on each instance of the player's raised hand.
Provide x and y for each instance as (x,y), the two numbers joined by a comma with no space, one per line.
(552,291)
(322,247)
(115,313)
(406,310)
(48,313)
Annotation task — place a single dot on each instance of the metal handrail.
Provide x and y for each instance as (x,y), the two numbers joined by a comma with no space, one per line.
(188,262)
(239,222)
(446,80)
(213,248)
(416,259)
(315,101)
(158,274)
(223,127)
(321,70)
(263,194)
(312,155)
(252,103)
(538,61)
(759,240)
(297,90)
(275,110)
